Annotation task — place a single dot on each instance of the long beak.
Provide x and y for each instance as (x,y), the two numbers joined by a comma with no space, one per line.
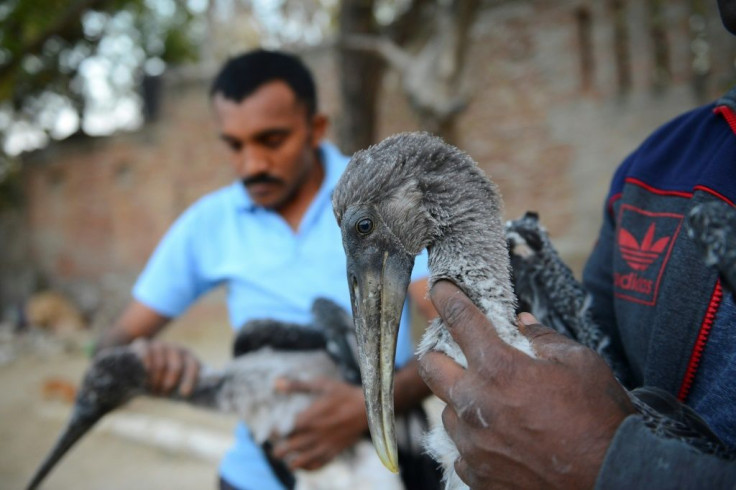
(378,284)
(78,425)
(115,377)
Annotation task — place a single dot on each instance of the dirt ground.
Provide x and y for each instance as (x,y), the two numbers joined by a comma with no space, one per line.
(149,444)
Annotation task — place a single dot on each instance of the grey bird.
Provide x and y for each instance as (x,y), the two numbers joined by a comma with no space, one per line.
(408,193)
(265,351)
(712,226)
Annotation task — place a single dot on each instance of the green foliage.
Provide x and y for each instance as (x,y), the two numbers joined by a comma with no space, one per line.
(10,183)
(45,43)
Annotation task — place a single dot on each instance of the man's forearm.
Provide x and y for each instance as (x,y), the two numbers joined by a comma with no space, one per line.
(111,338)
(138,320)
(409,388)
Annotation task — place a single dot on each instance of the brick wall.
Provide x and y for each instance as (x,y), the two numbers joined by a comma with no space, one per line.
(96,207)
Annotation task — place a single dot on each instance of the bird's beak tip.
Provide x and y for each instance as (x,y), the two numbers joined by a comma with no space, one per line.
(385,449)
(389,461)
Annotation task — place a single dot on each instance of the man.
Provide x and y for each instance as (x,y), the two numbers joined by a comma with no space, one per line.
(272,239)
(561,420)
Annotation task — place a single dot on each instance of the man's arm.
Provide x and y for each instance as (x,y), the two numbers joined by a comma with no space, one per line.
(548,422)
(136,321)
(168,365)
(639,459)
(409,388)
(418,295)
(337,419)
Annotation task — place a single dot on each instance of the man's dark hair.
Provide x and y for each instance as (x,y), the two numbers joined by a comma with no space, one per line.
(244,74)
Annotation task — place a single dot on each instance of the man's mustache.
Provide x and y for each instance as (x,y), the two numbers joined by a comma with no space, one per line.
(261,179)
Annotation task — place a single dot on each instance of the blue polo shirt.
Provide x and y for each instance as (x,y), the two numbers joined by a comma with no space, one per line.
(269,270)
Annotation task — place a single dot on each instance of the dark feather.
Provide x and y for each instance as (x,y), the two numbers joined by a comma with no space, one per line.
(712,226)
(546,287)
(281,336)
(665,416)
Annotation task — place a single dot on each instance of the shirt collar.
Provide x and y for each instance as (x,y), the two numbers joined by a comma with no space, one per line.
(726,106)
(729,99)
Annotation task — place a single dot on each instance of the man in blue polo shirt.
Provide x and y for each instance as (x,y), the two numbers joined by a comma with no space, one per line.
(272,239)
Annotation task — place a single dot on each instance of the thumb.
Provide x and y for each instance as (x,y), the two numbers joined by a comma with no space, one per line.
(538,334)
(287,385)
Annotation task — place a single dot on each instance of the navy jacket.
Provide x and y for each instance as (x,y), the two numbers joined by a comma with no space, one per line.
(665,311)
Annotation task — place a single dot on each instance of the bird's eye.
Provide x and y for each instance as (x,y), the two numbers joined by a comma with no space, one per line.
(364,226)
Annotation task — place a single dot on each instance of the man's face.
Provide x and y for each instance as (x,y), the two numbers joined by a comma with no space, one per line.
(271,141)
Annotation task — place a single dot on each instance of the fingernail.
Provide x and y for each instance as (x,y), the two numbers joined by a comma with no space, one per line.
(280,385)
(527,319)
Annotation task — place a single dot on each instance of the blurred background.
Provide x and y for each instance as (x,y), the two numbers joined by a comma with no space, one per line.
(106,136)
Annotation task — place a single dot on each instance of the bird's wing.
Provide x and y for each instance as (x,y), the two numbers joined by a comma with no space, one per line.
(278,335)
(667,417)
(249,387)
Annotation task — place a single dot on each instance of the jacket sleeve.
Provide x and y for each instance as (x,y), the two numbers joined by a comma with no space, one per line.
(637,458)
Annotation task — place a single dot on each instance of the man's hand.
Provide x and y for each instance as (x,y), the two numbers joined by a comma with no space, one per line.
(335,421)
(168,365)
(520,422)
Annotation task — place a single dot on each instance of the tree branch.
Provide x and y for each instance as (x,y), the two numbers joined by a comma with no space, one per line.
(72,15)
(386,49)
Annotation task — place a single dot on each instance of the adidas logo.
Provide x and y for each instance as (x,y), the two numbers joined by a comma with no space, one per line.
(641,256)
(632,282)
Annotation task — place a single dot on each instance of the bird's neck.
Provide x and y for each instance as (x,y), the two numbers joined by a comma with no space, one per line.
(206,391)
(472,253)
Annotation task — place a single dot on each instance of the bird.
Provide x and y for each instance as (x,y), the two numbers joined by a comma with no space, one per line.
(545,286)
(264,350)
(410,192)
(712,226)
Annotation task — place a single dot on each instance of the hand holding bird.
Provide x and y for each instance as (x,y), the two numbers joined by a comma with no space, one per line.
(169,366)
(504,410)
(333,422)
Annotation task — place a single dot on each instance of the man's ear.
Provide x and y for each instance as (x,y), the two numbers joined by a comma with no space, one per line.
(320,123)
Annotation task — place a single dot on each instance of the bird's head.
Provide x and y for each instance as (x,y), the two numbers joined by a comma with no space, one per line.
(390,204)
(525,236)
(115,376)
(339,331)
